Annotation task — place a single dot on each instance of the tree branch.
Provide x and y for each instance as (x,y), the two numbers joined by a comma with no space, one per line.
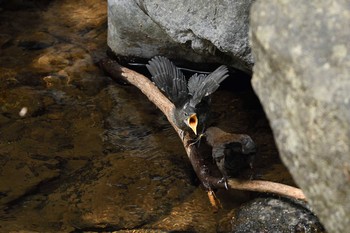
(118,72)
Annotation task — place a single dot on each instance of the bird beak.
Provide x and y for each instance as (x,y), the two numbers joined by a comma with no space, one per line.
(192,122)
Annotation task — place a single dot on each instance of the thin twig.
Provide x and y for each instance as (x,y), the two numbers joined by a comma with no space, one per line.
(117,71)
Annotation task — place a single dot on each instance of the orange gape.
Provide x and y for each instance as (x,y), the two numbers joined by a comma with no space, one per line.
(193,122)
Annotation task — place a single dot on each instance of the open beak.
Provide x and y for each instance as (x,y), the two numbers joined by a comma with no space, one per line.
(192,122)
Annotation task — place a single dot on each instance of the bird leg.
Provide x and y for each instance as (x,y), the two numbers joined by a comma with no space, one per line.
(197,140)
(219,158)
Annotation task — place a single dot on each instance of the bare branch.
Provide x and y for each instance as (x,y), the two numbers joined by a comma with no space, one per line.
(118,72)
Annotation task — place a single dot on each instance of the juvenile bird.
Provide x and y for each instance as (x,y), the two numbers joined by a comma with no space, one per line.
(192,98)
(231,152)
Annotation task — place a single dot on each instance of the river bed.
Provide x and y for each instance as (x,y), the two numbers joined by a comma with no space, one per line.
(80,153)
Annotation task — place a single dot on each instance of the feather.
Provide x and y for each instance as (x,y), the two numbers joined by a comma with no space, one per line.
(206,86)
(194,82)
(169,79)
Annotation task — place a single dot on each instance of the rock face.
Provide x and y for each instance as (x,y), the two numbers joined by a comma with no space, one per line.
(302,79)
(208,31)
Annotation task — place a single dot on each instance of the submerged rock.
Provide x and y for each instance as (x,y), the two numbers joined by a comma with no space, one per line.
(302,79)
(207,31)
(113,193)
(22,174)
(36,41)
(89,155)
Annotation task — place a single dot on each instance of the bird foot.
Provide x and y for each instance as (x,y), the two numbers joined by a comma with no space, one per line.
(197,140)
(224,180)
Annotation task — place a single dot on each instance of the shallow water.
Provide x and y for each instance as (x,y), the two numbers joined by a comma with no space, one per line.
(92,155)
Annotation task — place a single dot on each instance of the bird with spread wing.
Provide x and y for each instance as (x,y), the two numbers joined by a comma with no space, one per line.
(192,98)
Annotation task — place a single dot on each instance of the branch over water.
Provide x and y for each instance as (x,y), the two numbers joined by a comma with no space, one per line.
(118,73)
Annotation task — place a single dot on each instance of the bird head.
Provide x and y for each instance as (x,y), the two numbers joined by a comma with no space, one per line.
(186,118)
(189,117)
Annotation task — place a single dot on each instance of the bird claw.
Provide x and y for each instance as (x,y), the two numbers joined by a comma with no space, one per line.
(197,140)
(224,180)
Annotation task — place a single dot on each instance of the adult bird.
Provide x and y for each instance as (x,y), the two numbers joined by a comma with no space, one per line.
(192,98)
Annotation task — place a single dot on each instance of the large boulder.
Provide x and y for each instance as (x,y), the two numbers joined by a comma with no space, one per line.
(302,77)
(204,31)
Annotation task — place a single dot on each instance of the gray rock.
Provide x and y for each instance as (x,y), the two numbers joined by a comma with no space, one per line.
(301,76)
(275,215)
(208,31)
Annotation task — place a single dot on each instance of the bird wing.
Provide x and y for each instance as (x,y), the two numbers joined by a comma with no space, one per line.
(202,86)
(169,79)
(194,82)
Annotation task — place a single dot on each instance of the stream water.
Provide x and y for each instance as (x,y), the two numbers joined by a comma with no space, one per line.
(80,153)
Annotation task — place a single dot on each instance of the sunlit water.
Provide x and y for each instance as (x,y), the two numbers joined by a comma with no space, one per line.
(79,152)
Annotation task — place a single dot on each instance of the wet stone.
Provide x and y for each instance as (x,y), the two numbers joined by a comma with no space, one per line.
(275,215)
(29,79)
(194,209)
(56,58)
(7,78)
(33,45)
(116,192)
(12,102)
(128,199)
(22,175)
(12,132)
(35,41)
(5,40)
(92,84)
(4,119)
